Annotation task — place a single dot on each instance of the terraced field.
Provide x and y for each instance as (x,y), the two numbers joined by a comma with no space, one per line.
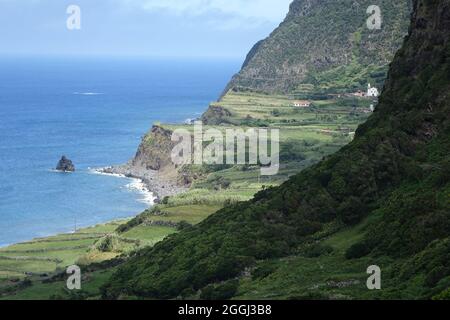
(340,111)
(36,269)
(43,256)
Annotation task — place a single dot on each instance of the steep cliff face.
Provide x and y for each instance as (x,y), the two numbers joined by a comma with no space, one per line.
(154,156)
(396,171)
(325,46)
(215,115)
(155,149)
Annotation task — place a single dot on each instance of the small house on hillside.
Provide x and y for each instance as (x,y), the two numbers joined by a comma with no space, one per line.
(372,91)
(302,104)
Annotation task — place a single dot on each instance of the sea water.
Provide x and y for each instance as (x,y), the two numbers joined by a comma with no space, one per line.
(95,111)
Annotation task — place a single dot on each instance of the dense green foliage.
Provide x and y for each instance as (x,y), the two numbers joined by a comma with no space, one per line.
(395,173)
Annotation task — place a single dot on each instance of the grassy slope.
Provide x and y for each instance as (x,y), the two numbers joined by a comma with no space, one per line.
(41,260)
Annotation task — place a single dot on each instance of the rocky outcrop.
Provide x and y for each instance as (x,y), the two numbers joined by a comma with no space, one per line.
(154,152)
(153,164)
(65,165)
(215,115)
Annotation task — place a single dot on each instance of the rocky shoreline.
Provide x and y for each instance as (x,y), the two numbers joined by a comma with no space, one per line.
(152,179)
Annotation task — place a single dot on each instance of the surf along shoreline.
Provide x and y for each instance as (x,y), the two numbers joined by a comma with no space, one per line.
(151,180)
(144,181)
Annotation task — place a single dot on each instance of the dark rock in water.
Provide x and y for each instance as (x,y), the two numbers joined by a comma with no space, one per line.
(65,165)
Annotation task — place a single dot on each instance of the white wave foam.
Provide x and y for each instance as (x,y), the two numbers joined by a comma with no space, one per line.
(59,171)
(88,93)
(99,172)
(139,186)
(136,185)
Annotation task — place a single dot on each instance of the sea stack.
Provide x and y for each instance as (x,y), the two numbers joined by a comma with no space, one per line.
(65,165)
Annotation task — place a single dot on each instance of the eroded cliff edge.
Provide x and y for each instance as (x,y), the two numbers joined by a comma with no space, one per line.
(152,163)
(324,46)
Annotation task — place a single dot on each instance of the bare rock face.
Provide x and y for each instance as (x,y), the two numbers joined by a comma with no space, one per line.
(65,165)
(154,152)
(215,115)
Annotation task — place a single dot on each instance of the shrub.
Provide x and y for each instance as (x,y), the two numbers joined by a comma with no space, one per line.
(182,225)
(351,210)
(225,184)
(435,275)
(165,200)
(224,291)
(358,250)
(263,271)
(26,283)
(444,295)
(318,250)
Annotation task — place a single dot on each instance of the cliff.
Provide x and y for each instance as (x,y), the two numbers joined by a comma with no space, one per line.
(324,46)
(155,149)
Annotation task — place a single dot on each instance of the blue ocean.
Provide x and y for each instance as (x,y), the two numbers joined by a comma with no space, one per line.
(94,111)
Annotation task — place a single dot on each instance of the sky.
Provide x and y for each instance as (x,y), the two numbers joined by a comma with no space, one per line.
(154,28)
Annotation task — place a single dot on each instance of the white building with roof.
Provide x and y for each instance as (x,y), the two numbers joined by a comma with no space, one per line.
(372,91)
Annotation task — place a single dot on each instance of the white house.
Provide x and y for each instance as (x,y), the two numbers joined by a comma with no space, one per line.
(302,104)
(372,91)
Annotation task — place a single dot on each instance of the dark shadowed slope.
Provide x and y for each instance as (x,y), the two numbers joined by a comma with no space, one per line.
(396,170)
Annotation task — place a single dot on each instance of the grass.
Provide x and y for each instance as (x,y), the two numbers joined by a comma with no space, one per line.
(48,246)
(57,289)
(38,259)
(330,276)
(192,214)
(279,109)
(149,234)
(47,255)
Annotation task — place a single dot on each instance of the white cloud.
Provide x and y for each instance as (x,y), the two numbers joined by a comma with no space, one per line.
(263,10)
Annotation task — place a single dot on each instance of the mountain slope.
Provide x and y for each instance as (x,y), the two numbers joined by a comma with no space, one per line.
(325,47)
(395,174)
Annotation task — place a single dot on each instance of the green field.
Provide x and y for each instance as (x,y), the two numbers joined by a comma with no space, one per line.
(27,269)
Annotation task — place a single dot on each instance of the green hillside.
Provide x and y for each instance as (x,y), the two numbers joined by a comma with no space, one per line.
(383,199)
(325,47)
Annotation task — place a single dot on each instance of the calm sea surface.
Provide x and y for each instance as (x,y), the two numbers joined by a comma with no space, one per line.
(95,112)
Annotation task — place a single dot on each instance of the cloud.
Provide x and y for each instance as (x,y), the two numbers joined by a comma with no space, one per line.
(252,10)
(184,28)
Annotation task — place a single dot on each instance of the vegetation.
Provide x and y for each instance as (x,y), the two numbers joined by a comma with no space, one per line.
(319,131)
(383,199)
(324,47)
(392,176)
